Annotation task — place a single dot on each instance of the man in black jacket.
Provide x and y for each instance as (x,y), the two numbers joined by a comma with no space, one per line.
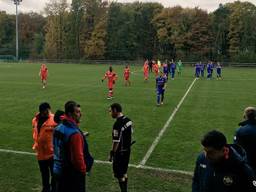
(222,167)
(245,136)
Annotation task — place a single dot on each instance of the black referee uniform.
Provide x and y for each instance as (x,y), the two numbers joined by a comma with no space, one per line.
(122,134)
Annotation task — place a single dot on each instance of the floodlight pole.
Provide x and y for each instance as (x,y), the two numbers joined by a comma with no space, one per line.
(17,2)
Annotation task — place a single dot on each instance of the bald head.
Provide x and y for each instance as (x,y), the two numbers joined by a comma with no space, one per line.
(250,113)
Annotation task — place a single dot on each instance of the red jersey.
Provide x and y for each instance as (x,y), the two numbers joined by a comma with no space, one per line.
(145,67)
(111,76)
(43,72)
(126,72)
(155,67)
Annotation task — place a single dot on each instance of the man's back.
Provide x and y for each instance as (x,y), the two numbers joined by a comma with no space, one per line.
(232,175)
(246,137)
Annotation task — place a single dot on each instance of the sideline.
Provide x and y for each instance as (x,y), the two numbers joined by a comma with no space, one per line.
(166,125)
(109,163)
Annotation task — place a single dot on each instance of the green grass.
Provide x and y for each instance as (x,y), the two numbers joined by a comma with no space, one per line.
(210,104)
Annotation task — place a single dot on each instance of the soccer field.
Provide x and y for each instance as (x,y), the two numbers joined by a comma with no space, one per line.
(209,104)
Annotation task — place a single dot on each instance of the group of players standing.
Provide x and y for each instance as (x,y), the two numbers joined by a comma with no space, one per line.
(200,70)
(160,70)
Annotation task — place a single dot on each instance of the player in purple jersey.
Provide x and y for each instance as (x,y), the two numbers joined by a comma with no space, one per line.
(202,69)
(197,69)
(160,88)
(218,70)
(209,70)
(165,69)
(173,69)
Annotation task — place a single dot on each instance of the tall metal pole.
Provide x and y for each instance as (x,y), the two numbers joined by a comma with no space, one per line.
(17,32)
(17,2)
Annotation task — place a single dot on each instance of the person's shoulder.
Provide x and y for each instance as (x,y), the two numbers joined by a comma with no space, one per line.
(201,157)
(126,119)
(247,129)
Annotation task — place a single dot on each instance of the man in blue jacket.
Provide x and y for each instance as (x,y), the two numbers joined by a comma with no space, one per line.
(245,136)
(222,167)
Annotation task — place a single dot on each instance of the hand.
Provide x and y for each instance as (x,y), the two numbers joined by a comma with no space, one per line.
(102,80)
(111,156)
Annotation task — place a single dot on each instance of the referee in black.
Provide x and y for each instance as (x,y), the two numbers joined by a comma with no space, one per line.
(121,147)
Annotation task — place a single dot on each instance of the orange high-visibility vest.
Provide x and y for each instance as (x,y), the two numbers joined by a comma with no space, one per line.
(43,144)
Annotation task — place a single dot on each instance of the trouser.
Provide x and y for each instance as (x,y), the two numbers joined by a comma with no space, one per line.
(71,181)
(173,73)
(120,167)
(160,96)
(202,73)
(46,169)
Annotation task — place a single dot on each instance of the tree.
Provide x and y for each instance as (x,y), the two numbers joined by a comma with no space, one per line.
(55,29)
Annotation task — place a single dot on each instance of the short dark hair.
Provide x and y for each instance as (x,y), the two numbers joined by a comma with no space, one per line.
(57,116)
(214,139)
(70,107)
(44,106)
(117,107)
(250,113)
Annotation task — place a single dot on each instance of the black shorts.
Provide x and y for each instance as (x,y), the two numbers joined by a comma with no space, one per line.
(120,163)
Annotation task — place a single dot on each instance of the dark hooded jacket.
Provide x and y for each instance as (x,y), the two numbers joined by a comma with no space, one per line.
(229,175)
(245,136)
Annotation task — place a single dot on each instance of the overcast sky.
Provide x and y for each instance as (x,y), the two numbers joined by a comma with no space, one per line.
(38,5)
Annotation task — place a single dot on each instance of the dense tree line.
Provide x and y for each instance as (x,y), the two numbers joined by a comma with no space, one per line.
(94,29)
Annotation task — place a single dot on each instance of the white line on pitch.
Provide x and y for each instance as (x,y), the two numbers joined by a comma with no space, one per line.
(166,125)
(109,163)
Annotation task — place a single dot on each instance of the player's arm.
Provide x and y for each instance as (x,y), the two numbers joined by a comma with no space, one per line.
(250,179)
(104,77)
(165,85)
(115,142)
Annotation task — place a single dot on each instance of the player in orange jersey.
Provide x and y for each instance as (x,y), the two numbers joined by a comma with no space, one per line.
(127,76)
(43,73)
(155,69)
(112,77)
(146,70)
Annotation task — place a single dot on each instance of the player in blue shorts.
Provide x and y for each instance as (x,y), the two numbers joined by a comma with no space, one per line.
(197,69)
(165,69)
(173,69)
(202,69)
(160,88)
(209,70)
(218,70)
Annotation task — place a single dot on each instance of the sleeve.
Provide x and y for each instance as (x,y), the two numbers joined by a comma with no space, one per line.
(249,178)
(195,180)
(116,134)
(34,135)
(237,139)
(77,153)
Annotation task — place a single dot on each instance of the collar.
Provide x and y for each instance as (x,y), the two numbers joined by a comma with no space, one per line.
(69,119)
(246,122)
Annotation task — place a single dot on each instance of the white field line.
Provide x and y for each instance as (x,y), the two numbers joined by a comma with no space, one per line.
(166,125)
(109,163)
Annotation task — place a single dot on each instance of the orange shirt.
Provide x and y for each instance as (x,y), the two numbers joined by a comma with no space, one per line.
(44,72)
(43,141)
(111,76)
(126,72)
(145,67)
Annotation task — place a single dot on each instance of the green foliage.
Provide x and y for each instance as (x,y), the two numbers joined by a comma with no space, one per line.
(209,105)
(97,29)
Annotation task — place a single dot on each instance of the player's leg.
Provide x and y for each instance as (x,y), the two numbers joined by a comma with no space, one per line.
(162,98)
(158,97)
(44,169)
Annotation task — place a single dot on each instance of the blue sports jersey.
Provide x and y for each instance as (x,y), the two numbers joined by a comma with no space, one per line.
(165,68)
(173,66)
(160,82)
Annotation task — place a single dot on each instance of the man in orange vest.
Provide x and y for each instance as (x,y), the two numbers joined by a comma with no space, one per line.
(43,125)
